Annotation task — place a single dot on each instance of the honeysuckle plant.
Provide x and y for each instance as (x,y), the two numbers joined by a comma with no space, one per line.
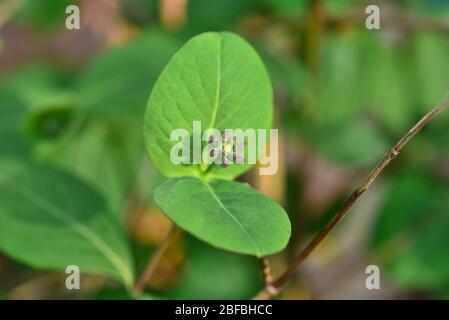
(216,79)
(51,219)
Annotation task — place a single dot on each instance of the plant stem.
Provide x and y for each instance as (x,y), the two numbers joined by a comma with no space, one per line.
(277,285)
(154,261)
(266,271)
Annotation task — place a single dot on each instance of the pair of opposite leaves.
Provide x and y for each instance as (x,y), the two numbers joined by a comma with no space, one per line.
(218,79)
(49,219)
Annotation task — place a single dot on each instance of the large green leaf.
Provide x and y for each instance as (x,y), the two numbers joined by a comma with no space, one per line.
(226,214)
(49,219)
(216,78)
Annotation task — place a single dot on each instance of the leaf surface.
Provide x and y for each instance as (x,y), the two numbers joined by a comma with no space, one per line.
(217,79)
(226,214)
(49,219)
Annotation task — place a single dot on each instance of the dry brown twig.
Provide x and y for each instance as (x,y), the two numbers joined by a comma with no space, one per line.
(273,288)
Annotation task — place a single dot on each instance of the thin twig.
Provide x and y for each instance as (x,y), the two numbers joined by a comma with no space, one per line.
(154,261)
(279,283)
(266,271)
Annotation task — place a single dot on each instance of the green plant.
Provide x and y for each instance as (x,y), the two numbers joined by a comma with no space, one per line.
(218,79)
(50,218)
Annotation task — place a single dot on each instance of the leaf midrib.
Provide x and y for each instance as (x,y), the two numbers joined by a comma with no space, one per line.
(217,90)
(220,203)
(202,169)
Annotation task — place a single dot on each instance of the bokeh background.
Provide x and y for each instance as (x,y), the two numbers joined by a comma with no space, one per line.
(343,95)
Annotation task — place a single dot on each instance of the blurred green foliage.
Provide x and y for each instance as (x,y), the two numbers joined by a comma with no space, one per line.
(233,276)
(116,82)
(44,14)
(412,230)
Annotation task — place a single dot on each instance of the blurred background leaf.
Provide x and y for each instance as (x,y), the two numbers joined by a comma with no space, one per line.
(45,14)
(210,273)
(115,84)
(410,229)
(44,223)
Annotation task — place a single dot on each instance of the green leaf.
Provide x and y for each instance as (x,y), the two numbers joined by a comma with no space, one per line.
(41,87)
(411,233)
(42,92)
(286,7)
(210,273)
(45,14)
(351,142)
(216,78)
(396,214)
(425,263)
(106,155)
(116,83)
(432,63)
(338,96)
(445,295)
(225,214)
(388,80)
(12,114)
(289,78)
(205,15)
(50,220)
